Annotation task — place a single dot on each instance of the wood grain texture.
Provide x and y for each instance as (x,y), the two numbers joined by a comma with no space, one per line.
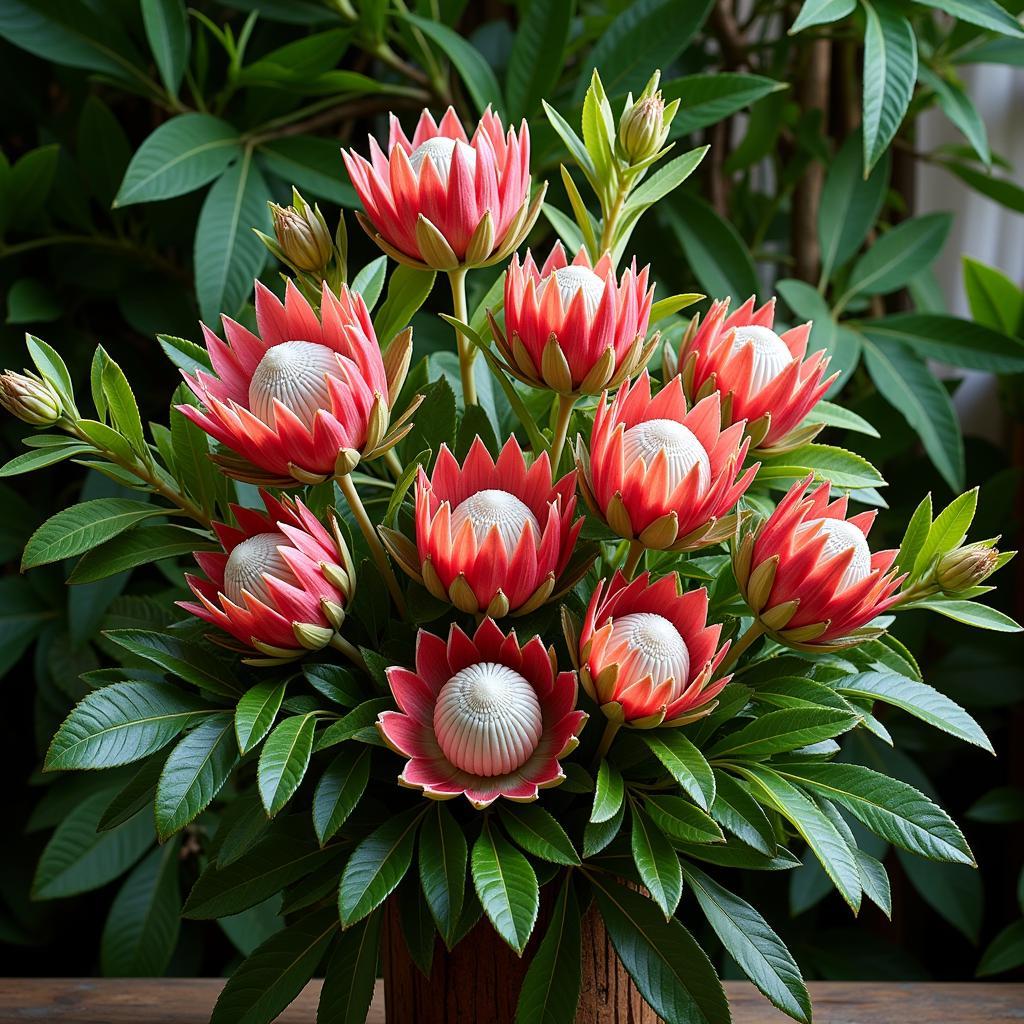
(189,1001)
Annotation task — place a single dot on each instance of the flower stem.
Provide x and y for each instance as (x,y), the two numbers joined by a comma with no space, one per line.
(339,643)
(457,279)
(380,558)
(610,731)
(636,552)
(565,407)
(736,650)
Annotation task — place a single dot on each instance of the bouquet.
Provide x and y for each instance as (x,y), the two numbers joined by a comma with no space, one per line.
(491,661)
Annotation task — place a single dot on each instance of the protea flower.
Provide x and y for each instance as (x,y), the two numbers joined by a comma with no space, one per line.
(308,397)
(645,652)
(762,377)
(281,584)
(484,717)
(660,475)
(808,574)
(492,536)
(444,201)
(571,327)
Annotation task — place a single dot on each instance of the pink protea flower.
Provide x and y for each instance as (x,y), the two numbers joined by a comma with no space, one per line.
(307,397)
(645,652)
(659,474)
(493,536)
(809,576)
(484,717)
(762,377)
(281,584)
(442,200)
(571,327)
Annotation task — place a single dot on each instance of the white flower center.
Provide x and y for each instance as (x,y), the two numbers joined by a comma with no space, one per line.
(573,280)
(682,450)
(842,536)
(655,644)
(490,508)
(771,356)
(440,151)
(487,719)
(295,373)
(247,564)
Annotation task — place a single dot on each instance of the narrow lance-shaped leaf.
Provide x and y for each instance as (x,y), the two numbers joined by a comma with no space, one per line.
(507,887)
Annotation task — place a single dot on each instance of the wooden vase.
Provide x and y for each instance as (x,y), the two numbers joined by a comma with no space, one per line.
(478,982)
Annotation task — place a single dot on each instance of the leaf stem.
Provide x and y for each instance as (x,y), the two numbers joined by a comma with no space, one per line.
(467,352)
(755,631)
(565,407)
(636,552)
(339,643)
(610,732)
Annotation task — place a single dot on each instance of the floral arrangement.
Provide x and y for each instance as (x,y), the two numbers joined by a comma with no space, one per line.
(547,636)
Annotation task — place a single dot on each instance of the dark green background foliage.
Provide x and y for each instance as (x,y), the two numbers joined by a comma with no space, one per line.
(141,144)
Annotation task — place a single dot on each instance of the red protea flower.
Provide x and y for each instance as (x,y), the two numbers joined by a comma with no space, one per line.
(809,576)
(445,201)
(571,327)
(660,475)
(492,536)
(281,584)
(646,653)
(764,378)
(308,397)
(484,717)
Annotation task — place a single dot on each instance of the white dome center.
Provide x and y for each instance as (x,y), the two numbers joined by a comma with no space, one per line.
(682,450)
(573,280)
(490,508)
(842,536)
(655,646)
(249,561)
(771,356)
(295,373)
(440,151)
(487,719)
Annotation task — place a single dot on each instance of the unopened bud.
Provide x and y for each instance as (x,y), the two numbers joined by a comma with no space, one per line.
(31,399)
(303,236)
(966,567)
(642,129)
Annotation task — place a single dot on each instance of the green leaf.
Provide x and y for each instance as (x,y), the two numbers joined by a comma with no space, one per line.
(313,164)
(31,301)
(256,712)
(120,724)
(995,300)
(407,291)
(671,971)
(442,860)
(780,731)
(684,762)
(268,980)
(103,149)
(84,526)
(339,790)
(121,404)
(1005,952)
(917,699)
(1004,191)
(551,988)
(143,924)
(51,368)
(679,819)
(537,832)
(753,944)
(138,546)
(709,98)
(194,773)
(657,862)
(137,793)
(736,810)
(184,354)
(821,12)
(915,535)
(954,891)
(334,682)
(470,63)
(948,531)
(665,180)
(957,106)
(227,253)
(536,59)
(284,760)
(949,339)
(890,71)
(972,614)
(838,416)
(183,154)
(816,828)
(608,793)
(369,282)
(166,24)
(351,973)
(907,384)
(899,254)
(358,718)
(39,458)
(187,660)
(376,866)
(986,13)
(507,887)
(78,858)
(598,835)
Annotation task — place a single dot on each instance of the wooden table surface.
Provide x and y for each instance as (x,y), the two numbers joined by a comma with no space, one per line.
(189,1001)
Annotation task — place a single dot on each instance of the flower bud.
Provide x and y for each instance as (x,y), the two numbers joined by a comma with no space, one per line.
(642,129)
(303,235)
(30,399)
(966,567)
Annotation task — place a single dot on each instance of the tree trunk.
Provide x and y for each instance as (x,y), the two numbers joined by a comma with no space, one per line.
(479,980)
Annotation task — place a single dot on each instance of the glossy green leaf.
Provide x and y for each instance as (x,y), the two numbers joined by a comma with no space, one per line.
(407,291)
(538,832)
(138,546)
(190,661)
(167,31)
(821,12)
(950,340)
(339,790)
(536,59)
(995,300)
(783,730)
(986,13)
(137,793)
(957,106)
(608,793)
(335,682)
(284,760)
(973,614)
(443,856)
(256,712)
(890,71)
(656,861)
(351,973)
(709,98)
(738,812)
(684,762)
(507,887)
(681,820)
(899,254)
